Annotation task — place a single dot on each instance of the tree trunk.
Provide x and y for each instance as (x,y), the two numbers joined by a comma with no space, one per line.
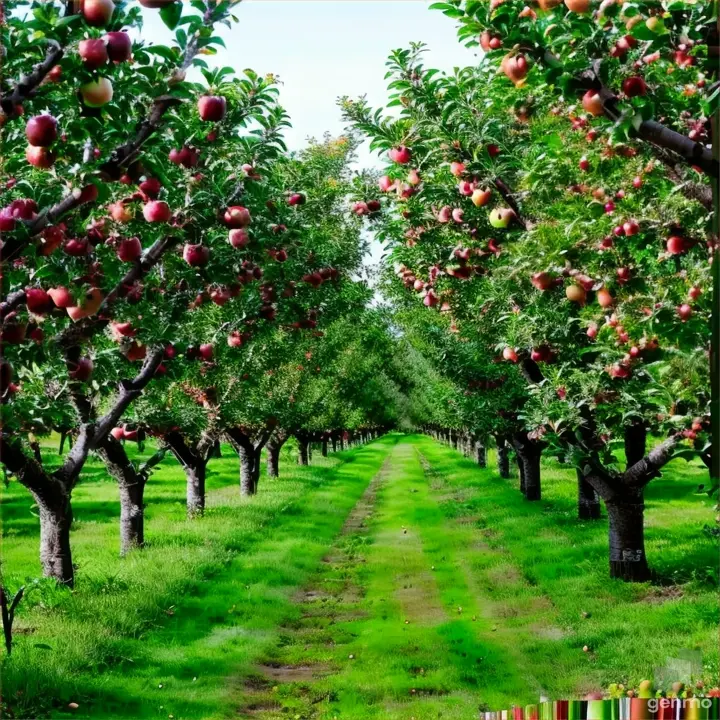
(302,452)
(273,460)
(334,443)
(521,471)
(249,470)
(342,443)
(635,443)
(588,500)
(503,459)
(55,553)
(480,454)
(195,490)
(324,447)
(528,455)
(627,538)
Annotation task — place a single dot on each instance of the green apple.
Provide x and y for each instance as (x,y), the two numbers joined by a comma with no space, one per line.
(501,217)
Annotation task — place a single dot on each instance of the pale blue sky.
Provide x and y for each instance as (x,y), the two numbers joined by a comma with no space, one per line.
(322,49)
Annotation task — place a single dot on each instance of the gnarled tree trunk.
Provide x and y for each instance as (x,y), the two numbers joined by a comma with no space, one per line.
(194,461)
(333,440)
(480,454)
(324,446)
(274,445)
(55,552)
(303,458)
(249,470)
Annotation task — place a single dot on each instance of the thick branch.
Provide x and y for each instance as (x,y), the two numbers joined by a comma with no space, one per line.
(180,449)
(643,471)
(28,84)
(531,371)
(12,302)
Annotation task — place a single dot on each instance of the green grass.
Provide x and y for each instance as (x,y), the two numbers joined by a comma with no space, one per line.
(449,591)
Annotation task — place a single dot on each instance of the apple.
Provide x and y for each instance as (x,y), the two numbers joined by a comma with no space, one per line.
(360,208)
(444,214)
(584,164)
(55,74)
(40,157)
(631,228)
(238,238)
(281,255)
(515,68)
(81,370)
(120,212)
(619,371)
(119,46)
(510,355)
(61,297)
(542,280)
(480,197)
(578,6)
(414,178)
(592,331)
(296,199)
(129,249)
(694,293)
(237,217)
(97,93)
(605,298)
(634,86)
(609,207)
(466,188)
(117,433)
(206,351)
(151,187)
(41,130)
(93,52)
(592,103)
(97,12)
(493,150)
(457,215)
(122,329)
(220,296)
(212,108)
(431,299)
(684,312)
(37,301)
(623,275)
(548,4)
(374,206)
(385,183)
(501,217)
(400,154)
(157,211)
(196,255)
(576,293)
(186,156)
(675,245)
(682,59)
(76,247)
(457,169)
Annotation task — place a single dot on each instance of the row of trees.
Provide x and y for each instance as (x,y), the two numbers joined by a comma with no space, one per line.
(169,269)
(552,209)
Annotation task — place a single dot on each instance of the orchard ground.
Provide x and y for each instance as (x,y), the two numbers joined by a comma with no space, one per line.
(387,581)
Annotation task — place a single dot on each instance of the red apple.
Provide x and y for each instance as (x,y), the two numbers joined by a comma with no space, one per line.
(374,206)
(40,157)
(480,197)
(515,68)
(694,293)
(634,86)
(61,297)
(684,312)
(151,187)
(414,178)
(623,275)
(578,6)
(38,301)
(542,280)
(122,329)
(129,249)
(237,217)
(592,331)
(637,182)
(206,351)
(97,93)
(93,52)
(385,183)
(119,46)
(457,169)
(117,433)
(584,164)
(431,299)
(76,247)
(81,370)
(400,154)
(220,296)
(576,293)
(605,298)
(196,255)
(157,211)
(212,108)
(631,228)
(592,103)
(296,199)
(41,130)
(97,12)
(120,212)
(675,245)
(510,355)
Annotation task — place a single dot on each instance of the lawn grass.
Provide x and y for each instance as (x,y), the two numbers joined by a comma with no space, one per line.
(444,592)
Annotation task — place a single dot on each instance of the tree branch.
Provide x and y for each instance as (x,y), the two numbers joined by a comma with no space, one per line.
(12,302)
(643,471)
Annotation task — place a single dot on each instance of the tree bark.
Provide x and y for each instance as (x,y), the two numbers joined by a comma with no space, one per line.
(480,454)
(195,489)
(194,463)
(333,440)
(273,460)
(503,459)
(528,454)
(627,538)
(588,500)
(249,470)
(302,452)
(55,552)
(635,443)
(324,447)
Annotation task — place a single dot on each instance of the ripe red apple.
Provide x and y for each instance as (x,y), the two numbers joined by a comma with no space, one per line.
(55,74)
(457,215)
(235,339)
(576,293)
(151,187)
(592,331)
(206,351)
(237,217)
(129,249)
(542,280)
(238,238)
(119,46)
(281,255)
(385,183)
(296,199)
(675,245)
(97,93)
(584,164)
(578,6)
(157,211)
(117,433)
(41,130)
(400,154)
(623,275)
(510,355)
(684,312)
(93,52)
(76,247)
(457,169)
(120,212)
(212,108)
(220,296)
(360,208)
(37,300)
(61,297)
(414,178)
(196,255)
(97,12)
(634,86)
(40,157)
(694,293)
(130,435)
(431,299)
(81,370)
(122,329)
(609,207)
(480,197)
(631,228)
(515,67)
(186,156)
(592,103)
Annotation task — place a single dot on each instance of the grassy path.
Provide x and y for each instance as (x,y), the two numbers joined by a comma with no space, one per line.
(393,581)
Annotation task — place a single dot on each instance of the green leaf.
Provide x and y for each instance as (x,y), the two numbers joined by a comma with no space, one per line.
(171,15)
